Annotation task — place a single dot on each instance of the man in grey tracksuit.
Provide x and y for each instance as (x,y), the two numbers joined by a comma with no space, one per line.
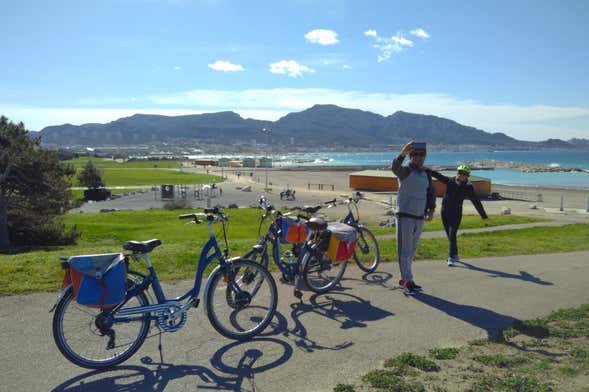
(416,202)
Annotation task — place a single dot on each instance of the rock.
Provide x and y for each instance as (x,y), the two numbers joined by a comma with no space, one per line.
(506,211)
(533,207)
(246,188)
(390,213)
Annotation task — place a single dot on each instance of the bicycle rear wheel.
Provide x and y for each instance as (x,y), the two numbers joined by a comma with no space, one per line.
(80,340)
(243,307)
(367,254)
(319,273)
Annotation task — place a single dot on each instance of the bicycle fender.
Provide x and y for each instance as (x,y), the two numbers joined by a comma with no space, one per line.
(59,297)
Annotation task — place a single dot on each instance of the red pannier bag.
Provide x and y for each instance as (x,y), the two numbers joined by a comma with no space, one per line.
(342,242)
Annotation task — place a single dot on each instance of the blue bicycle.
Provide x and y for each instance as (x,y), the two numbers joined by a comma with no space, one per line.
(307,258)
(367,253)
(240,297)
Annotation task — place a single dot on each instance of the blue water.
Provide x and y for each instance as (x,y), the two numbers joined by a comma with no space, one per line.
(498,176)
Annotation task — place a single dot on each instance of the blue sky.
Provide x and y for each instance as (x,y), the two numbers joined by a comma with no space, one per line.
(518,67)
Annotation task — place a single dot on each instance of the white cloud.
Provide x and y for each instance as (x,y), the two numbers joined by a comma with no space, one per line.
(421,33)
(402,40)
(322,37)
(290,67)
(388,46)
(177,68)
(225,66)
(533,122)
(346,66)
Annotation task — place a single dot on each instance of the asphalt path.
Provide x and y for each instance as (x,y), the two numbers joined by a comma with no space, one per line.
(311,345)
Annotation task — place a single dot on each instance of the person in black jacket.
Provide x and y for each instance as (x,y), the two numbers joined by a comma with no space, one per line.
(457,189)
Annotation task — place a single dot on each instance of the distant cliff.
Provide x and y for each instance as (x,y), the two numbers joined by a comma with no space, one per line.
(318,126)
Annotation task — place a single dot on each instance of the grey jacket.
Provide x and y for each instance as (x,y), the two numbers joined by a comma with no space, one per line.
(416,190)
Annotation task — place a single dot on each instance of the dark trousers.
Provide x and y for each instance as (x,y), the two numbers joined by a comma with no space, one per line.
(451,224)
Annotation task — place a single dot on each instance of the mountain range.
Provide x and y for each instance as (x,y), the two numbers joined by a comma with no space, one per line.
(318,126)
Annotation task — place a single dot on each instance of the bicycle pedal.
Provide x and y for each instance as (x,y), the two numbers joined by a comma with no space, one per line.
(196,303)
(298,294)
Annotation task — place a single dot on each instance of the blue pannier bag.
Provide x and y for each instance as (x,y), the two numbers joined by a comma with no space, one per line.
(98,280)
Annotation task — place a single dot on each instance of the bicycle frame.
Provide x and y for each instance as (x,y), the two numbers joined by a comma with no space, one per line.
(272,235)
(191,295)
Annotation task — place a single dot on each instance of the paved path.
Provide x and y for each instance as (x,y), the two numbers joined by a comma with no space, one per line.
(312,345)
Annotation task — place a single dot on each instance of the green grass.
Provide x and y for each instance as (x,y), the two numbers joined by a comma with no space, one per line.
(443,353)
(139,173)
(468,222)
(510,383)
(535,240)
(525,364)
(412,360)
(38,269)
(103,163)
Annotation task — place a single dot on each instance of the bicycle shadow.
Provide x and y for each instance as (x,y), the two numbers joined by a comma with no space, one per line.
(490,321)
(523,275)
(231,375)
(376,278)
(346,309)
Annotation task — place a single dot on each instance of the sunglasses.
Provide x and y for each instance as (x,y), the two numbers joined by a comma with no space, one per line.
(418,153)
(461,173)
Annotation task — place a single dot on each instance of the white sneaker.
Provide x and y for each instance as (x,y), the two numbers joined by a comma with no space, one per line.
(450,261)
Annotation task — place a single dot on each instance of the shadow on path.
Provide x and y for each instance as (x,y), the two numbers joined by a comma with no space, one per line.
(492,322)
(237,364)
(523,275)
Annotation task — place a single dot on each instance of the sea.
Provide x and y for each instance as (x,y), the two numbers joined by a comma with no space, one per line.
(514,177)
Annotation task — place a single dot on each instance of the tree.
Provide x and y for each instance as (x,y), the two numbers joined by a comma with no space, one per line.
(90,177)
(34,190)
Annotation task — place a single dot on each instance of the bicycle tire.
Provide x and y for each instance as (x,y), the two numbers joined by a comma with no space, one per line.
(232,316)
(362,257)
(314,265)
(74,355)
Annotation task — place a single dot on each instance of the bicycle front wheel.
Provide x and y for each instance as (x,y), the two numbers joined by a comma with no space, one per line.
(78,336)
(242,306)
(367,254)
(319,273)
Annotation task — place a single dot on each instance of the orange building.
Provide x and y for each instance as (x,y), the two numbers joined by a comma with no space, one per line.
(386,181)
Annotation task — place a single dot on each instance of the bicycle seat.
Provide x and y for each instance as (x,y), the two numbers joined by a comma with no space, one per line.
(317,223)
(311,209)
(142,247)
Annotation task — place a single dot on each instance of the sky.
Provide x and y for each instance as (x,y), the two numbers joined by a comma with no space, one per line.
(518,67)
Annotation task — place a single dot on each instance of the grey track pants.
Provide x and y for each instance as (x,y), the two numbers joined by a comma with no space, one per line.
(408,233)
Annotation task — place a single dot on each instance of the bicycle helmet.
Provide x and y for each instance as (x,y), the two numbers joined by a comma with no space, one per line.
(464,168)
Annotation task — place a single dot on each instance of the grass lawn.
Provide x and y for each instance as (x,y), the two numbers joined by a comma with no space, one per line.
(39,269)
(103,163)
(469,222)
(546,354)
(138,173)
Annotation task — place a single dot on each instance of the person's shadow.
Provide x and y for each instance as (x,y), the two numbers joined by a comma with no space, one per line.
(523,275)
(492,322)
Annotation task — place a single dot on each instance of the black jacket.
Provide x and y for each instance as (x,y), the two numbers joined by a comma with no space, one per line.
(455,194)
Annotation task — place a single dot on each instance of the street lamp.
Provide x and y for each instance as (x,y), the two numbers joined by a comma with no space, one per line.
(267,133)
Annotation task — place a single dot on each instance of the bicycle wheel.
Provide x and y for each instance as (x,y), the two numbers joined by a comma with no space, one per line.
(319,273)
(367,254)
(242,313)
(79,339)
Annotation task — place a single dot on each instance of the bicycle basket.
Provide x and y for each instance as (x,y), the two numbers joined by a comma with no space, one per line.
(342,242)
(293,230)
(98,280)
